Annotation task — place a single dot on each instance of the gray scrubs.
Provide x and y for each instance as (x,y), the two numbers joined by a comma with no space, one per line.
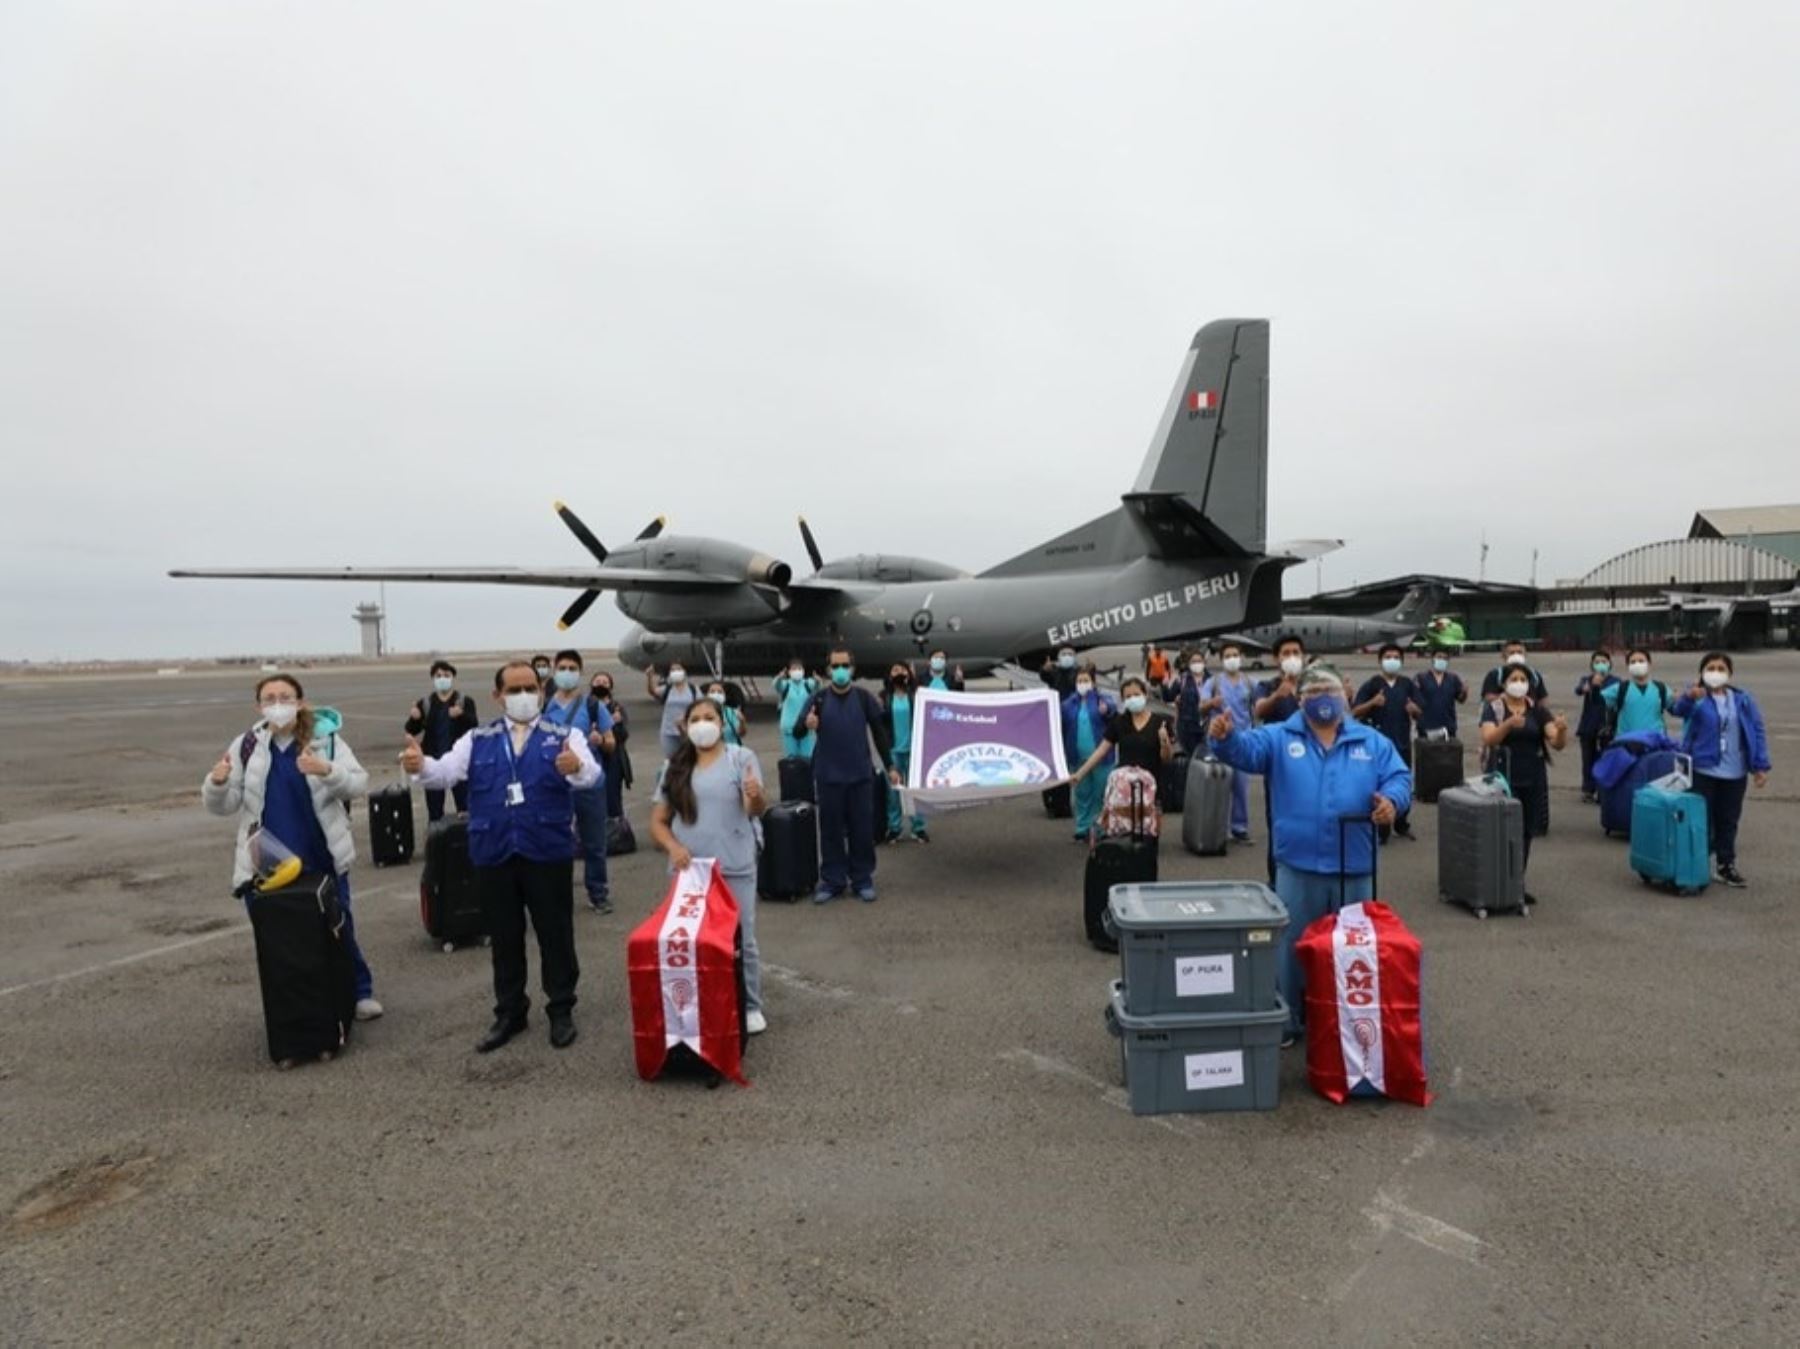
(721,830)
(677,698)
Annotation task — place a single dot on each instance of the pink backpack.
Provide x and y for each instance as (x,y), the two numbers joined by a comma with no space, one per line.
(1130,805)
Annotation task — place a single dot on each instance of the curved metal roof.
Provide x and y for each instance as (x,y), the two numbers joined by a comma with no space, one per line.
(1690,562)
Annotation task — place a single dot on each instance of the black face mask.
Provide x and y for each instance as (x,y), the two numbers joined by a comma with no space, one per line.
(901,681)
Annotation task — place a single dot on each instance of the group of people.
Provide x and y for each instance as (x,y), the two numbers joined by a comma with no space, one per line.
(540,782)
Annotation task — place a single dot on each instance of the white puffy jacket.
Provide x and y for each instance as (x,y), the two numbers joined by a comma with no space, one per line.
(242,793)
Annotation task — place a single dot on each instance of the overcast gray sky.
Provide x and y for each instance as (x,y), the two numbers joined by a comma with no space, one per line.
(364,282)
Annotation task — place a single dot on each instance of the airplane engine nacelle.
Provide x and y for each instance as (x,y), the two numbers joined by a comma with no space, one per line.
(714,557)
(889,569)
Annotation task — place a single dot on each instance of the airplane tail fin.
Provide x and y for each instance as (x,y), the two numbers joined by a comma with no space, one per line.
(1203,487)
(1419,604)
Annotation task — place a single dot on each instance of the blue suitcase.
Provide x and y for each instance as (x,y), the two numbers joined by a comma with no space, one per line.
(1616,801)
(1668,839)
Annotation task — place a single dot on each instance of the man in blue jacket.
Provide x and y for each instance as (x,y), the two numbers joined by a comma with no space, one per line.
(522,773)
(1321,771)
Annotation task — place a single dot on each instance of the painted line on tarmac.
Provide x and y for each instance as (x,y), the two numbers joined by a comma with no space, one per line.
(1184,1125)
(805,983)
(1388,1214)
(134,958)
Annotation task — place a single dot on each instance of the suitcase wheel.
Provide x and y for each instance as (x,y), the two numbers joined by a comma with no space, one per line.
(1480,913)
(449,946)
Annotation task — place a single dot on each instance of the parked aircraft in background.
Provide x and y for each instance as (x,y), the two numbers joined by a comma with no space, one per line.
(1348,632)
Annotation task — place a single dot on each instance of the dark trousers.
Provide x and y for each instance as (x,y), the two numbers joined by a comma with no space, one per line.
(1724,808)
(1534,804)
(542,889)
(1590,751)
(846,813)
(1189,738)
(434,802)
(1269,828)
(615,785)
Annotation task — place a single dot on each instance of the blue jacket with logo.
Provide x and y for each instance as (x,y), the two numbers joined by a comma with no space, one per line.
(542,827)
(1700,737)
(1099,709)
(1311,789)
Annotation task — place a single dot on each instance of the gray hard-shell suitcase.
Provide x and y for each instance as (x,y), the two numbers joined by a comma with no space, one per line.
(1206,816)
(1481,849)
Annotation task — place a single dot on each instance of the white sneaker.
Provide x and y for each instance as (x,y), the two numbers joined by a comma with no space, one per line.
(367,1009)
(755,1022)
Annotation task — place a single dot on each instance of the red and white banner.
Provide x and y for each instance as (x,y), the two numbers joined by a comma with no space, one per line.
(1364,1035)
(682,965)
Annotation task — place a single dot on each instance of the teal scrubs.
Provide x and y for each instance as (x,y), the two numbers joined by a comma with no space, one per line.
(1090,792)
(902,705)
(796,741)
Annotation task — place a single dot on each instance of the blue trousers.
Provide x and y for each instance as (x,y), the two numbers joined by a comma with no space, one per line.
(590,827)
(895,823)
(846,817)
(1240,805)
(1309,896)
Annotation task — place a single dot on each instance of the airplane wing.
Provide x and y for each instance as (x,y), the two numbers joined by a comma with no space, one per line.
(566,578)
(1305,549)
(1242,641)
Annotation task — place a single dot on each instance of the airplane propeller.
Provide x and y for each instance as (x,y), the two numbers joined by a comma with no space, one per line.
(589,540)
(812,545)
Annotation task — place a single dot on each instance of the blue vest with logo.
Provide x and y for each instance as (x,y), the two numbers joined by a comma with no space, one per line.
(542,827)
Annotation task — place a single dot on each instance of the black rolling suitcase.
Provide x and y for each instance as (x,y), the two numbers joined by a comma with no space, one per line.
(1437,766)
(391,825)
(1059,803)
(449,904)
(1129,860)
(308,979)
(796,779)
(789,866)
(1171,790)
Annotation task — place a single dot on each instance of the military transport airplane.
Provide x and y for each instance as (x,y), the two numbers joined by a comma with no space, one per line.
(1184,554)
(1348,632)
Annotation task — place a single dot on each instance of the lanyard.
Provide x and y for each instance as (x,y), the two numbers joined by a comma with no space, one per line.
(512,757)
(1727,720)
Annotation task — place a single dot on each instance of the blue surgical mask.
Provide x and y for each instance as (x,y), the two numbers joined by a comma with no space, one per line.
(937,665)
(1391,665)
(443,683)
(1440,664)
(1136,703)
(840,676)
(1602,667)
(1066,660)
(1323,709)
(567,679)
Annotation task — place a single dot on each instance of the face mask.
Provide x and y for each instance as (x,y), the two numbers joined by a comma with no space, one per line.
(1233,664)
(443,683)
(1517,689)
(1715,679)
(937,665)
(796,673)
(1136,703)
(1066,660)
(567,679)
(542,672)
(1440,665)
(1292,665)
(901,681)
(717,698)
(1639,668)
(522,706)
(280,716)
(1323,708)
(1517,658)
(1083,687)
(1602,667)
(1196,668)
(840,676)
(678,676)
(704,734)
(1390,666)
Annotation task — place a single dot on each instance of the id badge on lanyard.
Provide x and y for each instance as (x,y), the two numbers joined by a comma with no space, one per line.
(1725,711)
(515,790)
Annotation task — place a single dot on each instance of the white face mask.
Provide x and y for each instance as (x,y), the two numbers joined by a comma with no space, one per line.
(280,716)
(678,676)
(718,699)
(443,683)
(1517,658)
(796,674)
(937,665)
(1715,679)
(704,734)
(1517,688)
(522,706)
(1233,664)
(1638,668)
(1196,668)
(1083,687)
(1292,665)
(1390,666)
(1066,660)
(1136,703)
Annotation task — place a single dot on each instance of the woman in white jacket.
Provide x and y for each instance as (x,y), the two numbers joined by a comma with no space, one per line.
(297,783)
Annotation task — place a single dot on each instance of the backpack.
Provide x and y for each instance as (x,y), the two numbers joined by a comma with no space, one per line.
(1129,808)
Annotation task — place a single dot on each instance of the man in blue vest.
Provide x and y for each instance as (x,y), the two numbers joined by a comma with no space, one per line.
(522,774)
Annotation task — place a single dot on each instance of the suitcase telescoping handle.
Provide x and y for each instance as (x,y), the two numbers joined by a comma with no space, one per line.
(1344,822)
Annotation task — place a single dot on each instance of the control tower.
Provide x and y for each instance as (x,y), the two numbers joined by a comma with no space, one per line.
(373,620)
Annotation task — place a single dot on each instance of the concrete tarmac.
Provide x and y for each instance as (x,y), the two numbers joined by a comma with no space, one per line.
(935,1148)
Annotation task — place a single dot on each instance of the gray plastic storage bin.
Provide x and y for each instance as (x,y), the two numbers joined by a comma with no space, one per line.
(1199,1063)
(1197,946)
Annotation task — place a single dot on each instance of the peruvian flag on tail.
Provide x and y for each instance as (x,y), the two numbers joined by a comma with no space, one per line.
(1364,1036)
(684,968)
(1203,400)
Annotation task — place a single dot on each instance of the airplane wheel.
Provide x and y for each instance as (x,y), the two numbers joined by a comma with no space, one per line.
(1481,913)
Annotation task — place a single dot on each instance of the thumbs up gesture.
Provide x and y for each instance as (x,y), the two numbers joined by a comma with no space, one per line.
(568,763)
(412,758)
(1379,700)
(312,765)
(221,773)
(1221,726)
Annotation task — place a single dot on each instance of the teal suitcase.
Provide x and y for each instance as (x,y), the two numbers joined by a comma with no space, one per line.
(1668,839)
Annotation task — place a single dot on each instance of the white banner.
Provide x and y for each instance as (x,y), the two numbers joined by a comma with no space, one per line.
(972,748)
(1359,998)
(676,950)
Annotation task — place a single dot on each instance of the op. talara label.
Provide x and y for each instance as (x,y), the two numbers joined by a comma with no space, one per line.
(1207,976)
(1208,1072)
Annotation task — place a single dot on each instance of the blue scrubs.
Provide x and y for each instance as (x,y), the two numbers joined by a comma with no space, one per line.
(1236,695)
(590,803)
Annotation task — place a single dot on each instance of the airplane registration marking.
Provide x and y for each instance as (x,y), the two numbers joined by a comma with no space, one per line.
(1163,602)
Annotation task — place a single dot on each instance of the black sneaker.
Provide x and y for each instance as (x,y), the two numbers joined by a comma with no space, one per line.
(1730,875)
